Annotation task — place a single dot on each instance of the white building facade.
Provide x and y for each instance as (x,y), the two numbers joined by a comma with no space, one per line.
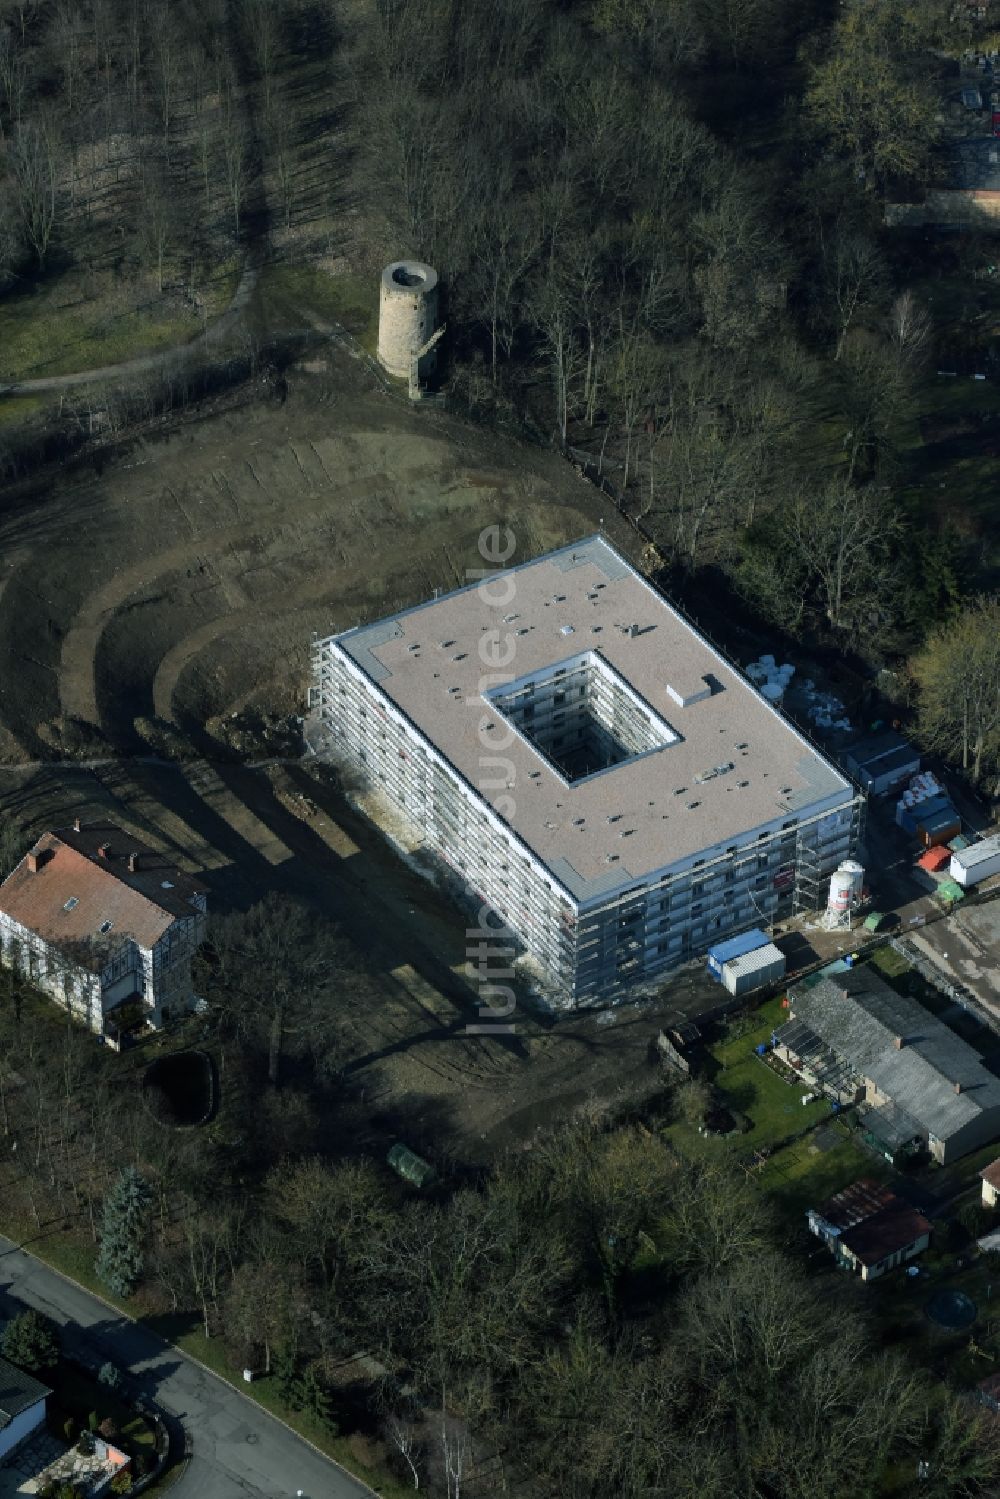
(104,926)
(611,805)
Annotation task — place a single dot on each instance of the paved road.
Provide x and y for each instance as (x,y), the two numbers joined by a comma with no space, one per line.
(238,1449)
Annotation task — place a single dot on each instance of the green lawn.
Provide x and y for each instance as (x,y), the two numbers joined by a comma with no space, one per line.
(76,1394)
(67,324)
(773,1106)
(802,1176)
(889,962)
(796,1175)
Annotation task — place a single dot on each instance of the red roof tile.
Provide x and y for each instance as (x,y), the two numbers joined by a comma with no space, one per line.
(75,890)
(886,1232)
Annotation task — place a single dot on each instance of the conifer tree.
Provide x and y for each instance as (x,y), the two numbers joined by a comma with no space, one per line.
(119,1261)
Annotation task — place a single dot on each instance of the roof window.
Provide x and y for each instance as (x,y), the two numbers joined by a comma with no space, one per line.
(71,903)
(105,927)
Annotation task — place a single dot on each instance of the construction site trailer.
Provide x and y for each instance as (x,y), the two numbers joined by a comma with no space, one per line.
(881,763)
(752,970)
(736,947)
(940,827)
(977,862)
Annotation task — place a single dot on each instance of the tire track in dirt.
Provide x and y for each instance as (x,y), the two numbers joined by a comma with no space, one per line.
(77,670)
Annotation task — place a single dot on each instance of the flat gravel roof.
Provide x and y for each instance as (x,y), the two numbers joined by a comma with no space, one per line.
(435,662)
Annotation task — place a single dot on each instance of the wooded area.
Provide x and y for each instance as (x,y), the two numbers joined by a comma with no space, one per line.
(659,227)
(659,224)
(598,1310)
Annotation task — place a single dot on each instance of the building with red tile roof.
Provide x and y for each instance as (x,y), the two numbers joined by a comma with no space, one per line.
(104,925)
(868,1229)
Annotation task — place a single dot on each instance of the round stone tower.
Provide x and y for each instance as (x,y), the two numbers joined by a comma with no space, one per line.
(407,315)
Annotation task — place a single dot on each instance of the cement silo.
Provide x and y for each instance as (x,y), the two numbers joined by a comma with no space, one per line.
(407,318)
(845,889)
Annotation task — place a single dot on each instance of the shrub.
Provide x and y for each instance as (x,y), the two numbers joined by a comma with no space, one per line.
(164,739)
(85,1446)
(110,1375)
(93,1421)
(69,1428)
(73,738)
(142,1463)
(122,1482)
(108,1429)
(30,1341)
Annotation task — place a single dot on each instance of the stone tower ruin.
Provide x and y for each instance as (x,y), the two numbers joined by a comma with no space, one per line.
(408,307)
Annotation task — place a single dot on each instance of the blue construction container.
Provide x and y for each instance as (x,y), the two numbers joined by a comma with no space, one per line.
(912,818)
(735,947)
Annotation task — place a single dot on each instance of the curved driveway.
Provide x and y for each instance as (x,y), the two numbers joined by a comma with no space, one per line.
(237,1449)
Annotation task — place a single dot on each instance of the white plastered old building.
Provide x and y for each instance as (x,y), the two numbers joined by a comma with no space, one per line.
(104,926)
(590,767)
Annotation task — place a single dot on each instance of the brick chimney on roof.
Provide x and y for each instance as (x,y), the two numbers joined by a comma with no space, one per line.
(957,1087)
(133,862)
(76,824)
(899,1042)
(102,852)
(34,859)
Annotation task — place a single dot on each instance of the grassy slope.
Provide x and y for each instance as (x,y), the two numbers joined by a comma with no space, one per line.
(62,327)
(288,294)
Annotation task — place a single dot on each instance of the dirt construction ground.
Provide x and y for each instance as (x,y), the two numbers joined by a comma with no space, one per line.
(185,581)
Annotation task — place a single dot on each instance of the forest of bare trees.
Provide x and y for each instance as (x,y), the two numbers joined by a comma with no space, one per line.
(659,224)
(599,1313)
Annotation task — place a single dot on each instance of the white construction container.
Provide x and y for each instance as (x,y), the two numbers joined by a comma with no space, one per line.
(977,862)
(751,970)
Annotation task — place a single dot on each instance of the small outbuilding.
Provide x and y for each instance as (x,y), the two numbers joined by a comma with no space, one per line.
(881,762)
(869,1230)
(976,862)
(990,1177)
(22,1407)
(752,970)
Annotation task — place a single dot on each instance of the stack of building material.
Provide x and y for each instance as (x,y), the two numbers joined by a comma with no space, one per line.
(824,709)
(977,862)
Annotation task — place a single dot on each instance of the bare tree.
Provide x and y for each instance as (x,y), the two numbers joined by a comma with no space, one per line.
(34,152)
(404,1438)
(847,538)
(853,277)
(454,1454)
(910,328)
(260,18)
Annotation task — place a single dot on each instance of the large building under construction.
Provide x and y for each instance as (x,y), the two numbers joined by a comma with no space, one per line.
(593,771)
